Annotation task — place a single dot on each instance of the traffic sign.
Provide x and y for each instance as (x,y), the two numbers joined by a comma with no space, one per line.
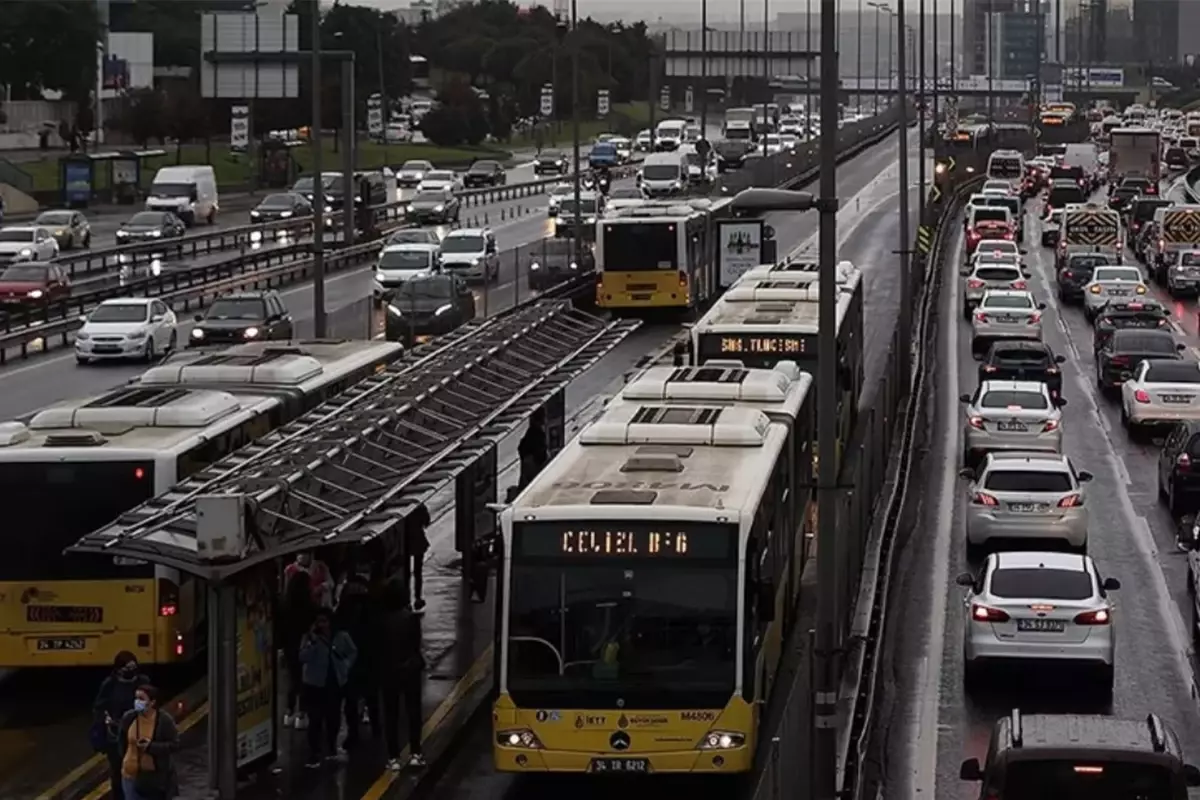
(375,115)
(664,98)
(602,102)
(935,194)
(689,100)
(547,107)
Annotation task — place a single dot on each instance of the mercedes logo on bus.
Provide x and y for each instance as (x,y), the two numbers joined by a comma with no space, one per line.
(619,741)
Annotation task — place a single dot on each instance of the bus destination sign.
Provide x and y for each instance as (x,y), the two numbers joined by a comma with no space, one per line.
(601,540)
(756,345)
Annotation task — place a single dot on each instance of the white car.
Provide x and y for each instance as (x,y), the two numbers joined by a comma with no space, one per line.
(774,145)
(1048,609)
(642,142)
(1119,284)
(1005,314)
(997,186)
(624,197)
(1011,415)
(471,254)
(27,243)
(1161,390)
(559,193)
(790,141)
(402,262)
(412,172)
(127,328)
(983,276)
(440,180)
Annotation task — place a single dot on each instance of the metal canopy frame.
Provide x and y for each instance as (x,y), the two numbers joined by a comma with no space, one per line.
(351,469)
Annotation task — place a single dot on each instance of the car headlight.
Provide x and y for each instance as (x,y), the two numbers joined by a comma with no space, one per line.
(535,266)
(36,294)
(477,261)
(380,277)
(155,234)
(442,310)
(1095,290)
(284,214)
(141,334)
(394,310)
(25,252)
(1141,290)
(197,333)
(721,740)
(122,234)
(574,265)
(521,737)
(250,333)
(439,209)
(328,209)
(254,214)
(82,335)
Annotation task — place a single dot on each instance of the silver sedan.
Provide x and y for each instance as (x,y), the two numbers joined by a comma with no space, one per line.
(984,276)
(1006,314)
(1011,415)
(1161,390)
(1119,284)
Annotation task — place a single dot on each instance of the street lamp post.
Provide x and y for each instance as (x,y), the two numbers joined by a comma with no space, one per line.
(906,286)
(808,95)
(923,96)
(318,200)
(879,9)
(858,56)
(577,228)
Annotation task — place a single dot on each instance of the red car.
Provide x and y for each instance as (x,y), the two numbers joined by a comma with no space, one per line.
(33,282)
(988,229)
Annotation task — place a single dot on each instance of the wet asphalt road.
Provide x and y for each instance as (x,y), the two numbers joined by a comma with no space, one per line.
(868,231)
(930,725)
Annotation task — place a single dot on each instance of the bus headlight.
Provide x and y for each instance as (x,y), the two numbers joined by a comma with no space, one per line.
(521,737)
(722,740)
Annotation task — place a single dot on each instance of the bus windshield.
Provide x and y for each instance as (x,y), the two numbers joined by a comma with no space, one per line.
(1083,780)
(640,246)
(590,624)
(51,506)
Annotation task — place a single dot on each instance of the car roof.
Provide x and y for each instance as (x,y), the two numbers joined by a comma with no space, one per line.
(1007,293)
(983,262)
(1017,460)
(464,232)
(1019,344)
(1125,333)
(1012,386)
(400,246)
(1074,562)
(22,228)
(128,301)
(249,294)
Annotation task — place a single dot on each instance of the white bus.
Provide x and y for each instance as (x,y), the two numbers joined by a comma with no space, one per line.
(78,465)
(644,592)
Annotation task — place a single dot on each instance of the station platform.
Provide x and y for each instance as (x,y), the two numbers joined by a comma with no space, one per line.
(457,636)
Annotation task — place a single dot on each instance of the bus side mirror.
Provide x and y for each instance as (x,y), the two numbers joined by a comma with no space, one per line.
(971,771)
(766,601)
(1191,775)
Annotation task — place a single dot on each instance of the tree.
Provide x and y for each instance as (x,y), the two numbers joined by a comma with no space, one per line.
(185,118)
(48,44)
(142,116)
(444,126)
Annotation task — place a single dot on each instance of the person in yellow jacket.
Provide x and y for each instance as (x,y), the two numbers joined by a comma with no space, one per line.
(147,737)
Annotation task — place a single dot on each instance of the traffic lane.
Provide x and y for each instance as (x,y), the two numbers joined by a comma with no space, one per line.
(1152,669)
(235,210)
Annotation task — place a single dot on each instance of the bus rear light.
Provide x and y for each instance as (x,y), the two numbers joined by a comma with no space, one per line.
(179,644)
(168,598)
(683,280)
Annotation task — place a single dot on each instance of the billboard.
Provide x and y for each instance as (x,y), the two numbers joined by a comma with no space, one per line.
(127,63)
(1095,77)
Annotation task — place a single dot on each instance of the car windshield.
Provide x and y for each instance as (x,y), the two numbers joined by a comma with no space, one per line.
(413,237)
(1007,398)
(24,273)
(1042,584)
(306,184)
(1023,358)
(1127,191)
(1109,780)
(1172,372)
(173,189)
(250,308)
(660,172)
(120,312)
(625,193)
(425,288)
(484,166)
(146,218)
(586,204)
(1189,259)
(54,218)
(278,201)
(1008,301)
(997,273)
(16,235)
(1145,342)
(1061,196)
(430,197)
(404,259)
(415,166)
(439,175)
(462,244)
(549,158)
(994,214)
(1117,274)
(1033,480)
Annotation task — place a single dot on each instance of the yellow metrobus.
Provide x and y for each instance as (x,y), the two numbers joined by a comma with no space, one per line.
(661,254)
(76,466)
(648,581)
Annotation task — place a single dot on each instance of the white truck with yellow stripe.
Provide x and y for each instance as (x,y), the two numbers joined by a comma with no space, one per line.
(1088,228)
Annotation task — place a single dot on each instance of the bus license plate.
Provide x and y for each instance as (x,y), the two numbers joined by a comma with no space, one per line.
(620,765)
(73,643)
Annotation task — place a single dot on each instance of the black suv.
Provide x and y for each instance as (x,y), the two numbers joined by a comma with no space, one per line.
(1022,360)
(484,174)
(427,306)
(554,262)
(1039,756)
(1140,212)
(1117,357)
(1179,467)
(1076,273)
(1112,317)
(551,164)
(242,317)
(1063,193)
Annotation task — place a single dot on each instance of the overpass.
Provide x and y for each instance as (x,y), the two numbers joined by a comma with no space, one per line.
(978,86)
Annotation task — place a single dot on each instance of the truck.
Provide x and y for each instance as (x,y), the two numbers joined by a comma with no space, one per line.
(1135,152)
(739,123)
(1088,228)
(1178,229)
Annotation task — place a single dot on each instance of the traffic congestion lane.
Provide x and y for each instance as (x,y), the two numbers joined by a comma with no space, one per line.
(934,724)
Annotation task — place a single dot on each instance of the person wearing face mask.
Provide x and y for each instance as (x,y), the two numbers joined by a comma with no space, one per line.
(147,737)
(115,697)
(326,657)
(319,577)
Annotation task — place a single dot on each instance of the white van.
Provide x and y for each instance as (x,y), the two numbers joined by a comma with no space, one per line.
(668,135)
(663,173)
(189,192)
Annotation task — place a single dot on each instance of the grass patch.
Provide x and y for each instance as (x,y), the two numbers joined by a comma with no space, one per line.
(625,118)
(235,170)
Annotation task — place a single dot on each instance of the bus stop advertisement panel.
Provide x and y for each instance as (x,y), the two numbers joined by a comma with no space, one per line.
(257,674)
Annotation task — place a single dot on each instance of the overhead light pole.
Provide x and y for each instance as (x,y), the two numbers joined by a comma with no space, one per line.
(577,228)
(879,9)
(906,286)
(318,201)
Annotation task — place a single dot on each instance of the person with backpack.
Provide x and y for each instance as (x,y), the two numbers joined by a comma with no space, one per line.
(115,697)
(326,657)
(146,739)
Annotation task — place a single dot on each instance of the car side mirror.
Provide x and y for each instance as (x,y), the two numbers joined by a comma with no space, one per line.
(766,601)
(157,318)
(1060,359)
(1085,476)
(965,579)
(1191,775)
(964,398)
(1180,346)
(966,473)
(83,318)
(970,770)
(1111,584)
(1023,252)
(198,318)
(964,271)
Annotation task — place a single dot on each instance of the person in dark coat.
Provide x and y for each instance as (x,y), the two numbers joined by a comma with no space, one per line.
(402,671)
(326,656)
(416,545)
(146,739)
(115,697)
(533,449)
(356,615)
(297,615)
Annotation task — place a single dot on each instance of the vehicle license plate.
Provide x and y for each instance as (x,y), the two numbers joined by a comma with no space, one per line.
(1176,398)
(1013,426)
(1028,508)
(620,765)
(1041,625)
(74,643)
(1006,318)
(1118,292)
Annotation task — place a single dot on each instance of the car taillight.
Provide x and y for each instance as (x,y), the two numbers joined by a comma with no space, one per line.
(1008,236)
(1071,501)
(168,598)
(1051,370)
(1050,426)
(986,614)
(1068,274)
(1162,245)
(975,422)
(1100,616)
(984,499)
(973,236)
(1018,284)
(1119,361)
(1035,318)
(989,368)
(1183,462)
(974,283)
(1142,396)
(981,317)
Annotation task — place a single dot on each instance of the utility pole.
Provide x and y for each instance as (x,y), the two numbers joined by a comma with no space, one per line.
(383,97)
(808,92)
(991,63)
(703,70)
(314,135)
(921,115)
(937,90)
(858,58)
(766,69)
(953,52)
(875,72)
(577,228)
(830,545)
(906,284)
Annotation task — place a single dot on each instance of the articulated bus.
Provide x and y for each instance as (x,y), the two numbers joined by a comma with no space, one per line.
(772,314)
(660,255)
(648,577)
(76,466)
